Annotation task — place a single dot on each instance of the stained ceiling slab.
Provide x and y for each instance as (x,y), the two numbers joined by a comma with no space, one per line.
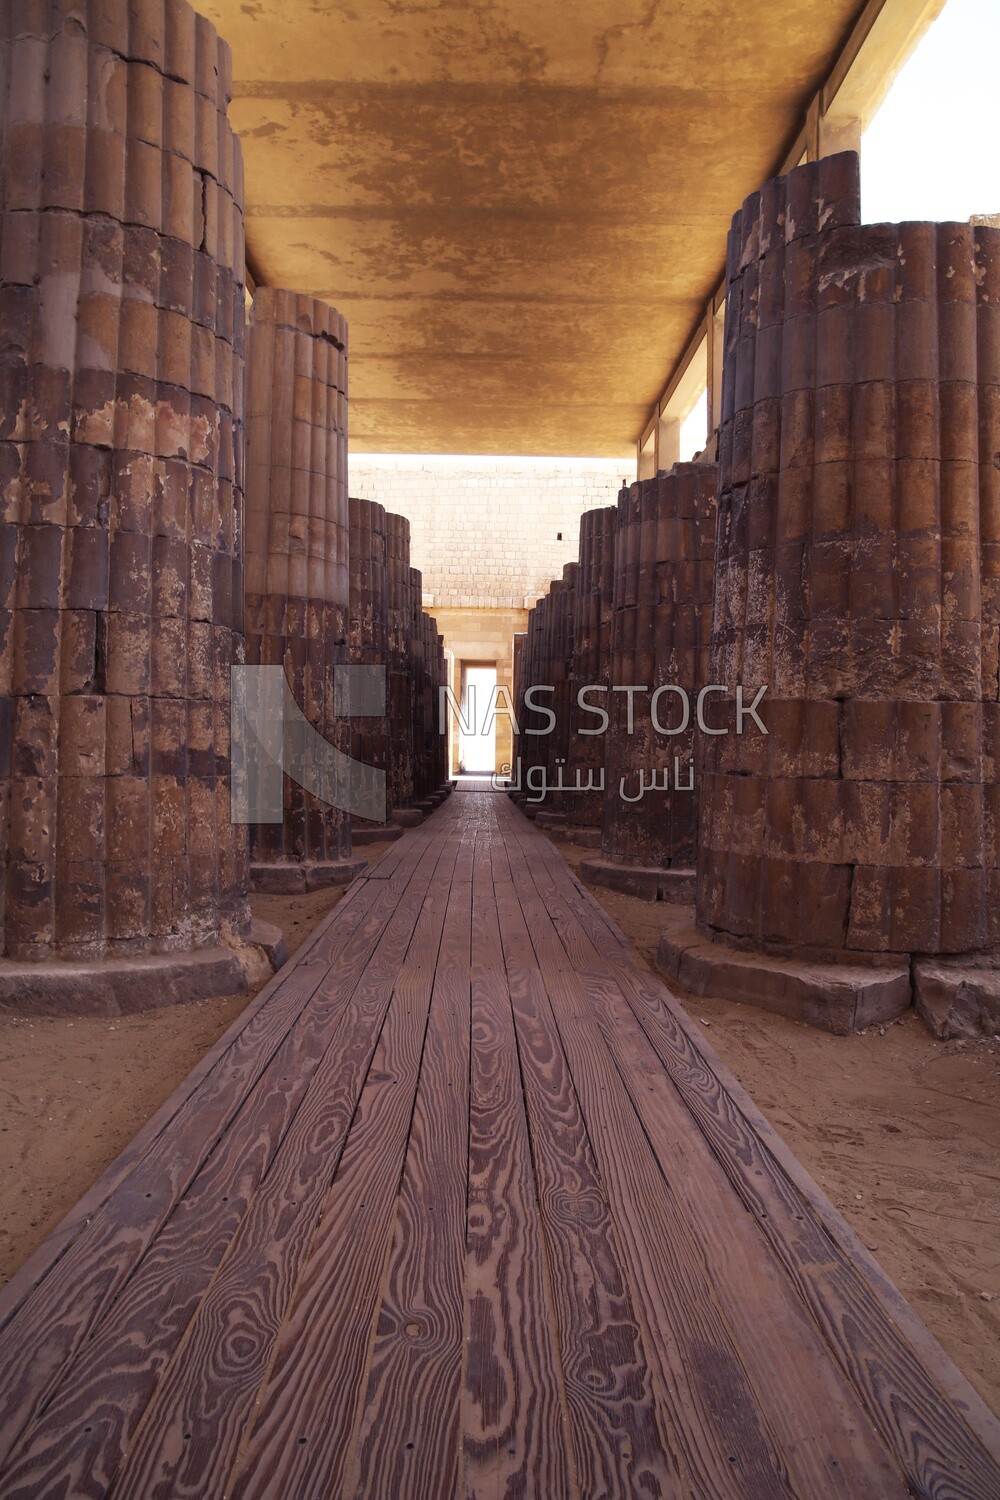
(519,207)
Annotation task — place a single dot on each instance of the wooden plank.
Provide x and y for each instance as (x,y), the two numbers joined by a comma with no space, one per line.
(619,1445)
(190,1431)
(78,1444)
(803,1398)
(514,1413)
(642,1285)
(707,1389)
(925,1412)
(55,1317)
(540,849)
(303,1438)
(64,1314)
(410,1438)
(28,1276)
(432,828)
(943,1436)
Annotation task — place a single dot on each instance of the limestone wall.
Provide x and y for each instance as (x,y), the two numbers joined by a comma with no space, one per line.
(488,533)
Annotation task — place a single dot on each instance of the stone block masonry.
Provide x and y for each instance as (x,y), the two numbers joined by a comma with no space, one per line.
(859,534)
(121,379)
(567,644)
(428,675)
(592,620)
(857,576)
(368,633)
(297,546)
(401,690)
(635,612)
(661,629)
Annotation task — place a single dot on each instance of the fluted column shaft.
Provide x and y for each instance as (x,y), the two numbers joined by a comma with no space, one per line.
(858,578)
(297,540)
(121,377)
(660,633)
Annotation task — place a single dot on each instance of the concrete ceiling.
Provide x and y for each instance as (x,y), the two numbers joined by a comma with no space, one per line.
(520,207)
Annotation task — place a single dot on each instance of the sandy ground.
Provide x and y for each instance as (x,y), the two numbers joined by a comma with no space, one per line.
(900,1131)
(73,1093)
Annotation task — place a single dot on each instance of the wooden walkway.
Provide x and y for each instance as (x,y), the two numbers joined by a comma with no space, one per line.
(463,1206)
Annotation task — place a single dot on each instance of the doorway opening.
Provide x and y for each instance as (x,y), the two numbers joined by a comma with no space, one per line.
(477,739)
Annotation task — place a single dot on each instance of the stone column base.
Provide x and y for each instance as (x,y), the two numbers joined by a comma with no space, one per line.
(956,1000)
(290,880)
(387,832)
(406,817)
(834,997)
(566,833)
(120,986)
(647,882)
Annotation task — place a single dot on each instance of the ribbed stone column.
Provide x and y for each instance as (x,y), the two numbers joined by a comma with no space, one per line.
(591,662)
(859,529)
(558,648)
(368,635)
(442,779)
(532,744)
(416,652)
(429,699)
(427,659)
(401,730)
(530,747)
(121,376)
(542,754)
(297,541)
(661,627)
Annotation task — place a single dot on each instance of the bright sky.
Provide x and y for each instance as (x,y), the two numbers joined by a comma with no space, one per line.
(933,149)
(694,428)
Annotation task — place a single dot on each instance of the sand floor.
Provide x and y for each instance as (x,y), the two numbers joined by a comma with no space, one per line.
(901,1131)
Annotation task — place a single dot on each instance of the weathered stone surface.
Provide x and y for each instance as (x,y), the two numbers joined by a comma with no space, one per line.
(858,536)
(400,611)
(529,671)
(387,832)
(297,539)
(121,360)
(551,821)
(660,634)
(647,882)
(368,634)
(545,662)
(956,1001)
(289,878)
(426,665)
(120,986)
(407,817)
(835,997)
(593,598)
